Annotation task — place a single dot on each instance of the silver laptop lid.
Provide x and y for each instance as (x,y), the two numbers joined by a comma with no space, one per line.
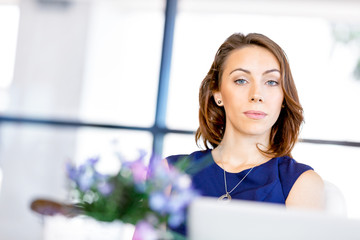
(210,219)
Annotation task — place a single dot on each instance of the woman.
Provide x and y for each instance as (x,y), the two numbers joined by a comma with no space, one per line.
(250,118)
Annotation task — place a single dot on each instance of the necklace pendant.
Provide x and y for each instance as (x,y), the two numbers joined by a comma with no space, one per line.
(226,197)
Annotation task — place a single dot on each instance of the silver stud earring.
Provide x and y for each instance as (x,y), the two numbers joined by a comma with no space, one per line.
(219,101)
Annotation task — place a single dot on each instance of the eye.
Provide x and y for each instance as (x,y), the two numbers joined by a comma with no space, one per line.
(272,83)
(241,81)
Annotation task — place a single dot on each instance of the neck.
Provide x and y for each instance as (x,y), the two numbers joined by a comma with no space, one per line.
(238,153)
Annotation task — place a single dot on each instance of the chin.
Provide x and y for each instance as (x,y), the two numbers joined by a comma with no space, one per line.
(252,129)
(256,132)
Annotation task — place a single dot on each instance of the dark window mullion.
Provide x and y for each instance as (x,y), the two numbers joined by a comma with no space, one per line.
(164,77)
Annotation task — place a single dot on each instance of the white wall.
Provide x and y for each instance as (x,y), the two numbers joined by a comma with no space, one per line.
(47,83)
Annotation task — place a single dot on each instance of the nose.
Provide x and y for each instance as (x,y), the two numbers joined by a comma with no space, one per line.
(255,94)
(256,98)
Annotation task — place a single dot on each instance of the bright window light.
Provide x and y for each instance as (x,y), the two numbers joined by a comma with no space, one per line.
(9,21)
(322,67)
(123,62)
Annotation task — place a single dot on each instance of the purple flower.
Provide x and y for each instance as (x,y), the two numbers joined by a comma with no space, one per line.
(71,172)
(154,184)
(105,188)
(85,181)
(176,219)
(92,161)
(85,175)
(177,203)
(99,177)
(160,175)
(139,171)
(154,162)
(145,231)
(158,201)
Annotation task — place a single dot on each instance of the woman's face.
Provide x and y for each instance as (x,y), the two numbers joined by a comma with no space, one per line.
(251,91)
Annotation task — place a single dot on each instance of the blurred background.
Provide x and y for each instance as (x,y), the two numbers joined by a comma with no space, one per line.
(78,75)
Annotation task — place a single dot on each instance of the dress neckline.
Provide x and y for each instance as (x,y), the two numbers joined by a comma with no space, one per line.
(209,152)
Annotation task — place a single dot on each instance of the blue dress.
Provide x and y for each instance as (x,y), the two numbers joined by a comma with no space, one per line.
(268,182)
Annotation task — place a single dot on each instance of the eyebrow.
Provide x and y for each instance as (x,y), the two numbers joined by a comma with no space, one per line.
(247,71)
(271,70)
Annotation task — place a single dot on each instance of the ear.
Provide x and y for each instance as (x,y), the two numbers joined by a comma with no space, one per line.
(218,98)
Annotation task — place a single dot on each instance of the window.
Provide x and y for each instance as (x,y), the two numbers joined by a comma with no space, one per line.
(99,83)
(322,67)
(9,20)
(123,61)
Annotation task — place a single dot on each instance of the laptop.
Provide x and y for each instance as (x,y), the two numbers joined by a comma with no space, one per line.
(210,219)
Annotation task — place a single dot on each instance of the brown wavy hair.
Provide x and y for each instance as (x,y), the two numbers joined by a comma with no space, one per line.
(284,134)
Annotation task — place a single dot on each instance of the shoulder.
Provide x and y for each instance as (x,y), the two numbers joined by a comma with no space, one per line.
(194,156)
(307,191)
(194,162)
(302,186)
(289,166)
(289,172)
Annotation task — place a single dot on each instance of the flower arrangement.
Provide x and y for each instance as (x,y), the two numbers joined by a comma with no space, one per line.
(148,197)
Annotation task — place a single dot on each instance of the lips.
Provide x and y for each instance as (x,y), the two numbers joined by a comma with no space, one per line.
(256,115)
